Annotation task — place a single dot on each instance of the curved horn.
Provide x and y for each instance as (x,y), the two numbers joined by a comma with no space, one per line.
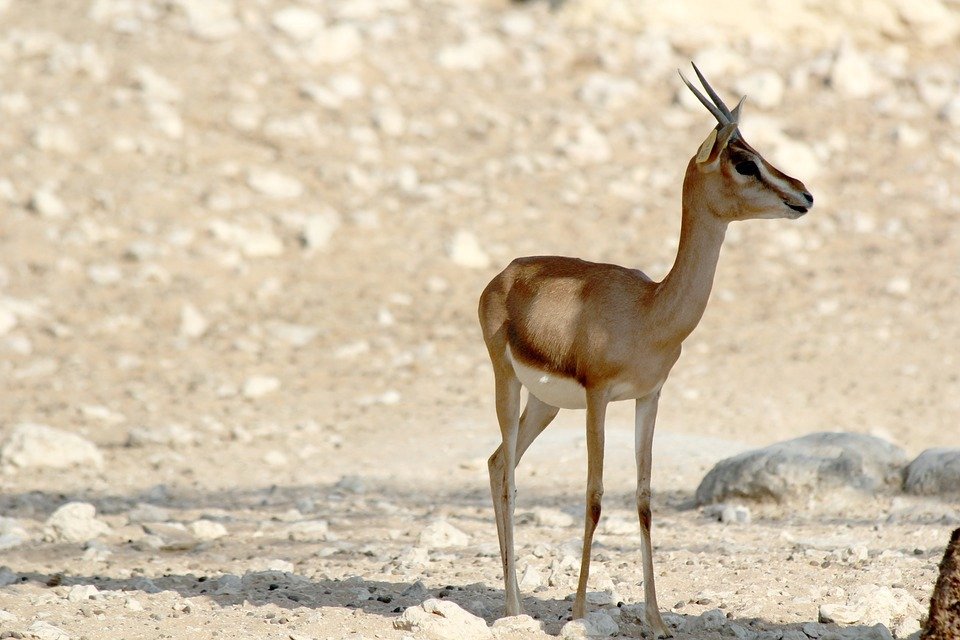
(713,94)
(721,117)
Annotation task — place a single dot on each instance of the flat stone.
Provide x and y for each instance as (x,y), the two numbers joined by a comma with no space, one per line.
(75,522)
(817,466)
(442,620)
(934,472)
(257,387)
(39,446)
(596,624)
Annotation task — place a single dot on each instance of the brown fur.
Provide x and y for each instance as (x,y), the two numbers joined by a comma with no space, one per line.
(943,621)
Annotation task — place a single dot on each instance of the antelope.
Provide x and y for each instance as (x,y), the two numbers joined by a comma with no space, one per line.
(579,335)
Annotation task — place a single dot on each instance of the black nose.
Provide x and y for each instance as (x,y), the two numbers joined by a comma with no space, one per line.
(808,197)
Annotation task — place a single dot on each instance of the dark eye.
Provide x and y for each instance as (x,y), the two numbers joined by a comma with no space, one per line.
(747,168)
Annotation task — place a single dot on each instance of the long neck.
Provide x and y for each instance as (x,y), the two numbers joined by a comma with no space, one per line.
(682,296)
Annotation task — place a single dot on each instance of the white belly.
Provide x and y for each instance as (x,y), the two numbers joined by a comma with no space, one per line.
(551,388)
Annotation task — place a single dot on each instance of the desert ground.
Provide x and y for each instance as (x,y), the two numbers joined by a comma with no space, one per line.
(241,246)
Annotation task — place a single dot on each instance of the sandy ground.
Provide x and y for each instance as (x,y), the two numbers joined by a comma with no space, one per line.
(241,248)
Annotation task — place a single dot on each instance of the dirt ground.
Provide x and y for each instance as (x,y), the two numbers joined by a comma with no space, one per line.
(241,245)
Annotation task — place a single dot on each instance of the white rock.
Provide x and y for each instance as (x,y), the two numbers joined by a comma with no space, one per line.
(55,138)
(934,23)
(471,55)
(259,386)
(207,529)
(8,320)
(82,593)
(166,119)
(318,228)
(40,446)
(171,435)
(297,23)
(390,120)
(465,250)
(440,534)
(334,45)
(105,274)
(585,145)
(261,243)
(347,86)
(544,517)
(75,522)
(211,19)
(12,533)
(274,458)
(517,624)
(596,624)
(951,111)
(6,616)
(295,335)
(42,630)
(852,74)
(605,91)
(193,324)
(442,620)
(898,286)
(156,87)
(48,204)
(274,184)
(309,531)
(530,578)
(763,88)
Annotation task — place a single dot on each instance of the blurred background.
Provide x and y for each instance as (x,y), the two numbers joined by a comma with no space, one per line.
(256,230)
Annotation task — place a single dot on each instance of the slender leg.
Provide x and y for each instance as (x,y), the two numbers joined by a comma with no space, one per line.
(646,418)
(596,412)
(502,484)
(536,416)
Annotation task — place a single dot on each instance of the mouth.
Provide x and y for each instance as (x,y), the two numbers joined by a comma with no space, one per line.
(799,209)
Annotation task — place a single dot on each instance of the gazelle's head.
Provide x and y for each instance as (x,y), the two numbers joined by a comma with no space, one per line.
(733,179)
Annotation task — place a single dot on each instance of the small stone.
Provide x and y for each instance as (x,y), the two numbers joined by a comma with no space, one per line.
(295,335)
(192,323)
(42,630)
(207,530)
(274,458)
(211,19)
(106,274)
(735,514)
(318,228)
(309,531)
(274,184)
(596,624)
(170,536)
(132,604)
(228,585)
(55,138)
(146,512)
(471,55)
(82,593)
(40,446)
(390,121)
(585,145)
(334,45)
(544,517)
(75,522)
(852,74)
(764,88)
(442,620)
(898,286)
(518,624)
(172,435)
(12,533)
(441,534)
(465,250)
(8,320)
(96,551)
(46,203)
(258,386)
(530,579)
(156,87)
(297,23)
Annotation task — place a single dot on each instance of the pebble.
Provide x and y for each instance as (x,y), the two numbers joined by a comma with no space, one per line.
(544,517)
(274,184)
(56,139)
(390,121)
(48,204)
(764,88)
(42,630)
(596,624)
(295,335)
(440,534)
(441,619)
(318,228)
(74,522)
(530,578)
(211,19)
(168,536)
(852,74)
(297,23)
(83,593)
(465,251)
(8,320)
(154,86)
(334,45)
(256,387)
(584,145)
(518,624)
(309,531)
(172,435)
(39,446)
(471,55)
(193,324)
(207,530)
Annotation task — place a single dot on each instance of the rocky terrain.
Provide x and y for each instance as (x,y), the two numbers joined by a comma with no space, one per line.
(242,387)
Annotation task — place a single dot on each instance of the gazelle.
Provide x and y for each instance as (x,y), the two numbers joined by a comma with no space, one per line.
(579,334)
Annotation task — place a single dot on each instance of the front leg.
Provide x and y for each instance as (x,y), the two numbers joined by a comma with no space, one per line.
(596,413)
(646,418)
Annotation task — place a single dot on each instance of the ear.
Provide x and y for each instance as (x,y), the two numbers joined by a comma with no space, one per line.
(708,157)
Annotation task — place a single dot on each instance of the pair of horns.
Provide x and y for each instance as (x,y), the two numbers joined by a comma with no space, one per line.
(719,110)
